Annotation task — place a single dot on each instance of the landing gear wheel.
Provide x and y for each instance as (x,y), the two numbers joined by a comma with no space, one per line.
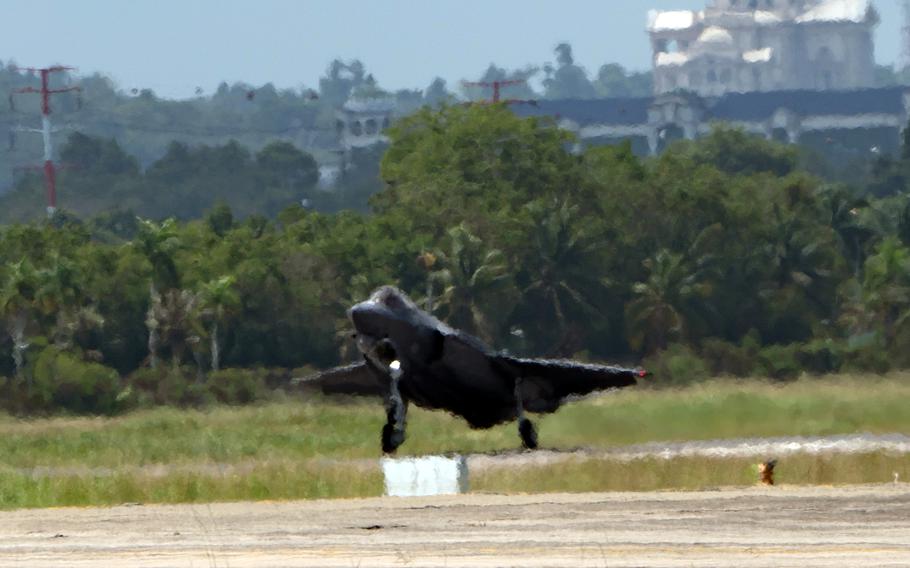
(528,434)
(387,432)
(391,439)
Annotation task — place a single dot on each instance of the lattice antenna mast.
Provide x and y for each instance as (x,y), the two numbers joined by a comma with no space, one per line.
(50,171)
(497,87)
(904,63)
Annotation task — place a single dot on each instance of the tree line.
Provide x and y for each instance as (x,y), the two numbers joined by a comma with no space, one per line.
(721,256)
(255,115)
(101,178)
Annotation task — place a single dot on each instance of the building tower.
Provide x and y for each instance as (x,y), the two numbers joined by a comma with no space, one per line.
(739,46)
(903,64)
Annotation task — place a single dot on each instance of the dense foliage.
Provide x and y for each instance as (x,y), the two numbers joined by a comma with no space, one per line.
(720,256)
(103,179)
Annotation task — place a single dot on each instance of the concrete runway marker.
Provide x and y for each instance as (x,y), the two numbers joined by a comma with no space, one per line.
(425,476)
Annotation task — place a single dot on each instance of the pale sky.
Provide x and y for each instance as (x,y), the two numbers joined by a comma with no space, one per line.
(174,46)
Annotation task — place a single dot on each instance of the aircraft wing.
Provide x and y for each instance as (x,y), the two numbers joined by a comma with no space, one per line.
(546,383)
(353,380)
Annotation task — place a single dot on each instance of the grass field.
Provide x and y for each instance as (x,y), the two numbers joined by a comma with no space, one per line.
(294,449)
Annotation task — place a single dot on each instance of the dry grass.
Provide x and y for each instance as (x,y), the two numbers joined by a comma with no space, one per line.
(690,473)
(293,450)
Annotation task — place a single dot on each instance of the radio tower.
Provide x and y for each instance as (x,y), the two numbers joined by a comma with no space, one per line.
(497,87)
(50,171)
(904,63)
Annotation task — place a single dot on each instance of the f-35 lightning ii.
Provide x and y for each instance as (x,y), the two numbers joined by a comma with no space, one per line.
(410,356)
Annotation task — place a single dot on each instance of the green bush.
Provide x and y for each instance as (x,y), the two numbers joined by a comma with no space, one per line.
(779,362)
(237,386)
(62,381)
(821,356)
(677,365)
(725,358)
(184,387)
(168,385)
(867,352)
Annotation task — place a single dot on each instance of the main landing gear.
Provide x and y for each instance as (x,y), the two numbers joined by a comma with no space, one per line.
(526,429)
(396,412)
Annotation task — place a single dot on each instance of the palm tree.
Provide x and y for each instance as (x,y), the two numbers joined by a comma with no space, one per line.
(673,302)
(17,302)
(60,295)
(886,286)
(58,286)
(655,316)
(471,278)
(75,324)
(158,243)
(218,300)
(172,315)
(843,212)
(796,270)
(564,274)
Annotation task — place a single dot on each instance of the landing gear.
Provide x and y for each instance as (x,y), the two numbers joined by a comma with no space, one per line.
(396,412)
(526,429)
(391,439)
(528,433)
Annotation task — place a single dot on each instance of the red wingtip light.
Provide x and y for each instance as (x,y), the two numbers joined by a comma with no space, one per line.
(642,373)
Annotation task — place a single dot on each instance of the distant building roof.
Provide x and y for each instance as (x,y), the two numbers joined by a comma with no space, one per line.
(595,111)
(667,59)
(759,106)
(743,107)
(378,105)
(837,11)
(670,21)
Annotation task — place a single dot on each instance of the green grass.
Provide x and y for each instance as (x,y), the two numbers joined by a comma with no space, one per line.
(282,480)
(292,449)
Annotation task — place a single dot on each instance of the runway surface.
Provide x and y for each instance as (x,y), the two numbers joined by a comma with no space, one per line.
(865,526)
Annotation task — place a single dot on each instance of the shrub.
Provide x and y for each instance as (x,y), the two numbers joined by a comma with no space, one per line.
(821,356)
(779,362)
(169,385)
(62,381)
(867,352)
(237,386)
(726,358)
(677,365)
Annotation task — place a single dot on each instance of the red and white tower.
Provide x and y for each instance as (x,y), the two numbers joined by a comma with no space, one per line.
(497,88)
(50,170)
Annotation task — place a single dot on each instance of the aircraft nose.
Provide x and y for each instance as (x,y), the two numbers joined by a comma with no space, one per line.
(363,315)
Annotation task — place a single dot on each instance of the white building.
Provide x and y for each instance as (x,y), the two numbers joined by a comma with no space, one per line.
(361,121)
(764,45)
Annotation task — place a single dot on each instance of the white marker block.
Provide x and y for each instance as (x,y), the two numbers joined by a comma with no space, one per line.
(426,476)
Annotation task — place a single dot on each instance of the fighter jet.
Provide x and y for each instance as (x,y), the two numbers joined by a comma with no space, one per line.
(410,356)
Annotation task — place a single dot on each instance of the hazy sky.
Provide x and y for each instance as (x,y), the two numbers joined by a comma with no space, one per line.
(173,46)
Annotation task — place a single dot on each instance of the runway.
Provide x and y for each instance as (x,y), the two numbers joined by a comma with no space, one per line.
(777,526)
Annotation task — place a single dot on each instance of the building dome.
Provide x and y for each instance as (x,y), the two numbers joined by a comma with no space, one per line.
(764,18)
(715,36)
(370,105)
